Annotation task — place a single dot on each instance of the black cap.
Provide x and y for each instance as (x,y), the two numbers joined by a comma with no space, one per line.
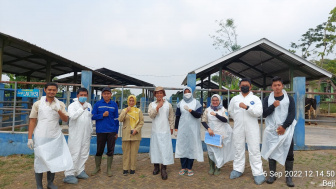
(106,89)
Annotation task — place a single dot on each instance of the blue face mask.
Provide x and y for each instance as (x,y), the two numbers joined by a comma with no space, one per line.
(82,99)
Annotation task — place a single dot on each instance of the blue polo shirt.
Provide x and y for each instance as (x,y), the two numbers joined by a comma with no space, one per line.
(106,124)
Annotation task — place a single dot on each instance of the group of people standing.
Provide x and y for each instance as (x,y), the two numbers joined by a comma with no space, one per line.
(52,154)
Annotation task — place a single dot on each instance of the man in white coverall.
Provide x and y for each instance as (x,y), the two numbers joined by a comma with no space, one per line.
(50,149)
(245,109)
(80,129)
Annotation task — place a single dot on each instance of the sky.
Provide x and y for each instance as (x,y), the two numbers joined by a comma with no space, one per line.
(158,41)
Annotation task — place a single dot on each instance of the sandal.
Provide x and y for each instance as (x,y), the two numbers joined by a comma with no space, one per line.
(182,172)
(190,173)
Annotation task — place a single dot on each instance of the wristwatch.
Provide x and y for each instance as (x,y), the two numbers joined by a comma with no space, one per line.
(247,107)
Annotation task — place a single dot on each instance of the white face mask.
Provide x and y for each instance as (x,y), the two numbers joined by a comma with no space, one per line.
(187,95)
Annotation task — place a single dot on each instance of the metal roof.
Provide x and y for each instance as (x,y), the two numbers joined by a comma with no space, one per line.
(261,59)
(23,58)
(119,77)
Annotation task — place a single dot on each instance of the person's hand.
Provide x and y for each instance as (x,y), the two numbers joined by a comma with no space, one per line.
(55,107)
(186,107)
(280,130)
(85,105)
(276,103)
(160,104)
(176,132)
(171,131)
(128,109)
(106,113)
(242,105)
(213,113)
(116,136)
(134,132)
(211,133)
(30,144)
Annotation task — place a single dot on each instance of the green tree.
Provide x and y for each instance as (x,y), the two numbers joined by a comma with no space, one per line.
(117,93)
(226,36)
(320,40)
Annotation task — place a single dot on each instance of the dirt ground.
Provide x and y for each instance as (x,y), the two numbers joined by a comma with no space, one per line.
(311,169)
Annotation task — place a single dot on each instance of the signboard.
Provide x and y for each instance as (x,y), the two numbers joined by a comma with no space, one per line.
(28,93)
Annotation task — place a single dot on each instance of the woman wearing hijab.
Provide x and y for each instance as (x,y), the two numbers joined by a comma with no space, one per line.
(133,121)
(187,123)
(217,118)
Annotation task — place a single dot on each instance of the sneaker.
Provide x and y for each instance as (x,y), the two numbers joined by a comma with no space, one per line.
(125,172)
(132,172)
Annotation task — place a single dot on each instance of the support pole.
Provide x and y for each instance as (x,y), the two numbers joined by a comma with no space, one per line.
(1,59)
(191,82)
(220,78)
(48,72)
(299,89)
(74,88)
(291,76)
(86,82)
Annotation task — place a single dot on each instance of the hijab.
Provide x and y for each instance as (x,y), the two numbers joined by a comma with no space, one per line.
(133,113)
(215,108)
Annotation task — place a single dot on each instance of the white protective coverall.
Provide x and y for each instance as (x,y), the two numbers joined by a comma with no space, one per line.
(188,141)
(161,147)
(50,148)
(225,154)
(246,128)
(276,146)
(80,129)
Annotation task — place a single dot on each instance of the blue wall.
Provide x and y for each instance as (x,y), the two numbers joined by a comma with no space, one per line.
(17,144)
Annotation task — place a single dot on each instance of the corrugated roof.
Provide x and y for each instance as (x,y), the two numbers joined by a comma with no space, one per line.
(261,59)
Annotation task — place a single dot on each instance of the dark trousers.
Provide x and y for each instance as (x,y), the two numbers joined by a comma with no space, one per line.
(102,139)
(186,163)
(290,156)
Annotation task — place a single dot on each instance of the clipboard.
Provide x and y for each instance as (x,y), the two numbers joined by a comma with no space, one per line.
(215,140)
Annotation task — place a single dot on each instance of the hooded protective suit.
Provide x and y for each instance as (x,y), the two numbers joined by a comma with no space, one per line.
(188,142)
(276,146)
(220,155)
(80,129)
(246,128)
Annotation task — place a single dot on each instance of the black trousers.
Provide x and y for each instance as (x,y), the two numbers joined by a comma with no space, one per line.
(102,139)
(290,156)
(186,163)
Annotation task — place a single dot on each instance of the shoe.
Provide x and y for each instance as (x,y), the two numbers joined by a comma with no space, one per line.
(235,174)
(272,168)
(38,178)
(125,172)
(289,169)
(217,171)
(71,179)
(132,172)
(156,169)
(50,179)
(164,174)
(82,175)
(98,162)
(182,172)
(109,164)
(212,166)
(259,179)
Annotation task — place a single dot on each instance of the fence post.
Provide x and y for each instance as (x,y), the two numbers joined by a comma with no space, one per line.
(24,117)
(2,99)
(299,89)
(86,82)
(14,106)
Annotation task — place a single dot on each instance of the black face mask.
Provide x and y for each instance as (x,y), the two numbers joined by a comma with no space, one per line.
(245,89)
